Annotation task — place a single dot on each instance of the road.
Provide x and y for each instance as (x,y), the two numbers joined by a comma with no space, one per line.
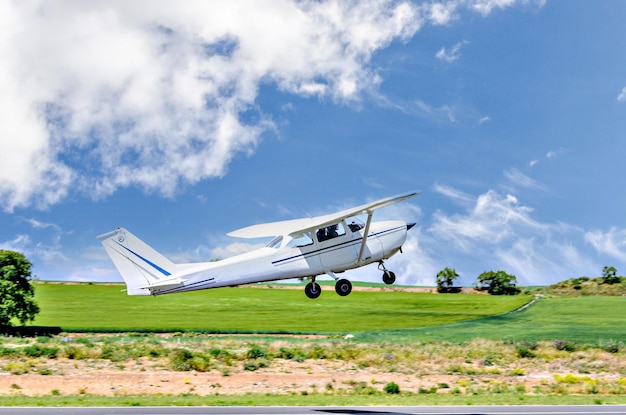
(379,410)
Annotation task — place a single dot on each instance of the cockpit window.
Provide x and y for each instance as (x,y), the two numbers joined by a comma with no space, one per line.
(330,232)
(275,243)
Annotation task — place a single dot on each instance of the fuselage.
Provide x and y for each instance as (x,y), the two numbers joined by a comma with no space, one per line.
(332,249)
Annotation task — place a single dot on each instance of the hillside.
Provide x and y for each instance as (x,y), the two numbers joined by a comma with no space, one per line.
(584,286)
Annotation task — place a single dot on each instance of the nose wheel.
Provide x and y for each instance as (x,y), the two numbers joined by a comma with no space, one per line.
(312,290)
(389,277)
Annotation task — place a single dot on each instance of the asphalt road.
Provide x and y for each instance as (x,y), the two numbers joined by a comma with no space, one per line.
(380,410)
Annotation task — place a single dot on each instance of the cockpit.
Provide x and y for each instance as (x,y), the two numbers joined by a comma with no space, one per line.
(322,234)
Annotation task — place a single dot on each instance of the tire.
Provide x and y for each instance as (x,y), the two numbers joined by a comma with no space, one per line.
(343,287)
(312,290)
(389,277)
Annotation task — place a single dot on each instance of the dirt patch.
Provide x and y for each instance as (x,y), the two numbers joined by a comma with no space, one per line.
(150,378)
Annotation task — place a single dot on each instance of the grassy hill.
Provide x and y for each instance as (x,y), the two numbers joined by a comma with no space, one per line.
(585,286)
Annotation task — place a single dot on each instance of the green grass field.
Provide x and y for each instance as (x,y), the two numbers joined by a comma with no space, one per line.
(369,315)
(581,319)
(105,307)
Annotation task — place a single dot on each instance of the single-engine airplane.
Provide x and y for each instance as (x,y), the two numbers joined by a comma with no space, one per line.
(301,248)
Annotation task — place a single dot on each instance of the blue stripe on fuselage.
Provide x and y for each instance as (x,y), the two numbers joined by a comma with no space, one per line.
(152,264)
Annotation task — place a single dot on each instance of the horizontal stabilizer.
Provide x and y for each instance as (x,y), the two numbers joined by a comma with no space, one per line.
(164,283)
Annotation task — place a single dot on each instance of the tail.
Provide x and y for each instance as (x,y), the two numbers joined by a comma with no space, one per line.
(141,267)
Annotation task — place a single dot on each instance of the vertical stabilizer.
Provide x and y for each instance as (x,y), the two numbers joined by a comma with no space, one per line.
(139,264)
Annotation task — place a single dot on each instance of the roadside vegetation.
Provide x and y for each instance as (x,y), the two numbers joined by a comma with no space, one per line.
(477,369)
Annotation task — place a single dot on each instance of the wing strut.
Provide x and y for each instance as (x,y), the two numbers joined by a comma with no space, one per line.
(366,231)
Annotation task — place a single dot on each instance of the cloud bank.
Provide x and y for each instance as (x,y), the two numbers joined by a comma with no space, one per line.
(102,95)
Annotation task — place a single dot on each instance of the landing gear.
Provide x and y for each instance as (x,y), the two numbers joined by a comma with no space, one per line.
(343,287)
(312,289)
(389,277)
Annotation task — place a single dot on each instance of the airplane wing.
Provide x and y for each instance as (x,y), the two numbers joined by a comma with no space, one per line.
(297,226)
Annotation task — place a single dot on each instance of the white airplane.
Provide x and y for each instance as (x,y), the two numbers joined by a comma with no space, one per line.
(301,248)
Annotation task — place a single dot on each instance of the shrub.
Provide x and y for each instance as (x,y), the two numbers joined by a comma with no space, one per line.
(41,351)
(255,364)
(180,360)
(525,349)
(256,352)
(392,388)
(611,346)
(566,345)
(73,352)
(16,368)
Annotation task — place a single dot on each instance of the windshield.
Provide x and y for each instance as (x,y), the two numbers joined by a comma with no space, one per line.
(274,243)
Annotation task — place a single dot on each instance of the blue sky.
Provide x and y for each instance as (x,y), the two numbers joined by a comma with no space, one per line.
(182,123)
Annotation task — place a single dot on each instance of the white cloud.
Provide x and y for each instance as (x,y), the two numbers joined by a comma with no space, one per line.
(611,243)
(452,193)
(497,231)
(518,179)
(153,94)
(484,120)
(485,7)
(552,154)
(444,112)
(36,224)
(622,95)
(451,55)
(20,243)
(98,96)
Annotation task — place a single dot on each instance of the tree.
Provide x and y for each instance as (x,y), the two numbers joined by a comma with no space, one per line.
(445,280)
(16,292)
(498,283)
(609,275)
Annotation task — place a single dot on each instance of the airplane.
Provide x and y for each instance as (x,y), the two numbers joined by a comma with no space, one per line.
(300,248)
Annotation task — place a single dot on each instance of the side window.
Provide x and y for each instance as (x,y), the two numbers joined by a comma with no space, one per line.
(355,225)
(304,240)
(330,232)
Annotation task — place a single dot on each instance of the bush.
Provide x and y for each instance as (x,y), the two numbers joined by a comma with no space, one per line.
(566,345)
(254,364)
(392,388)
(180,360)
(39,351)
(611,346)
(256,352)
(73,352)
(525,349)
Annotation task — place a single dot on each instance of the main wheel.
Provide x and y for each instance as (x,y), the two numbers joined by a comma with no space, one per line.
(389,277)
(312,290)
(343,287)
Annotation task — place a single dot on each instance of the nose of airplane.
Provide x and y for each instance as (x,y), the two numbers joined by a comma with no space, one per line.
(410,225)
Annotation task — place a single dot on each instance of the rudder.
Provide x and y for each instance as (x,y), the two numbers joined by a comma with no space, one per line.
(139,264)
